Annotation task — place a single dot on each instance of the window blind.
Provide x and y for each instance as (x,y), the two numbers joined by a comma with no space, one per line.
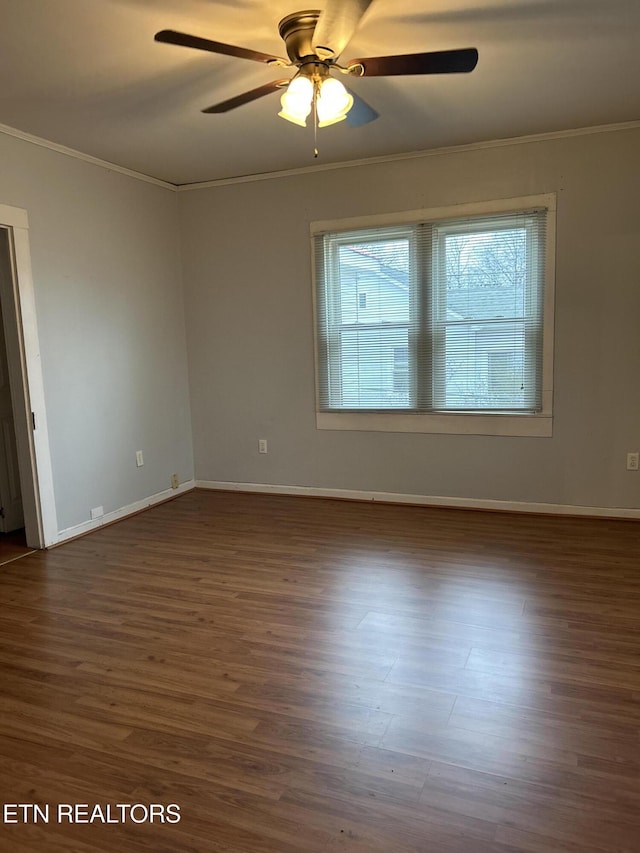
(442,316)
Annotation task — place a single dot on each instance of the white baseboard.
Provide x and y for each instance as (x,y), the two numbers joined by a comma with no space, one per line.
(123,512)
(423,500)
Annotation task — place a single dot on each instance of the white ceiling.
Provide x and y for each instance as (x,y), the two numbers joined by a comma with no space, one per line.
(87,74)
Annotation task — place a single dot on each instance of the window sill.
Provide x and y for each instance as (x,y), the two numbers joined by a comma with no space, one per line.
(451,424)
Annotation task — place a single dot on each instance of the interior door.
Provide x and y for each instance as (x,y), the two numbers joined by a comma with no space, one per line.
(11,514)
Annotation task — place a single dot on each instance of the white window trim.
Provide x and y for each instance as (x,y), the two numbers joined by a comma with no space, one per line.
(539,424)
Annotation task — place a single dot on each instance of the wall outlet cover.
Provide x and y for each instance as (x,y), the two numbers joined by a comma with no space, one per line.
(97,512)
(175,482)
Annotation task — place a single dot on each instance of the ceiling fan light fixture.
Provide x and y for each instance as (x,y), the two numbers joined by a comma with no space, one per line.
(297,100)
(334,102)
(314,41)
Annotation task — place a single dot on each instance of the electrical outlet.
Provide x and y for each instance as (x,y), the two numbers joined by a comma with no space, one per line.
(174,481)
(262,445)
(632,461)
(139,458)
(97,512)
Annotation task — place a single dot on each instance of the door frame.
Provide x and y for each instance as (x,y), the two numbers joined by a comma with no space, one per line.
(17,299)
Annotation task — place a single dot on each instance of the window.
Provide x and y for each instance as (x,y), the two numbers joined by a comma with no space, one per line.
(455,321)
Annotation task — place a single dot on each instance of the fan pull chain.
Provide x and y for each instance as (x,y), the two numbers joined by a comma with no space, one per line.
(315,121)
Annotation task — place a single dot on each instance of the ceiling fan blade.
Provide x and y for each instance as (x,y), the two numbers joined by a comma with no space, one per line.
(184,40)
(436,62)
(246,97)
(336,25)
(360,113)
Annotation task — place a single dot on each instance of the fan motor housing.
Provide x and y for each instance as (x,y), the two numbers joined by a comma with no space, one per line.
(297,31)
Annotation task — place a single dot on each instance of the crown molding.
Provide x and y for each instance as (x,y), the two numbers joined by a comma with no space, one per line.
(79,155)
(413,155)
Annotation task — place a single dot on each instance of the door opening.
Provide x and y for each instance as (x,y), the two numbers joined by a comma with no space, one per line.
(26,481)
(11,514)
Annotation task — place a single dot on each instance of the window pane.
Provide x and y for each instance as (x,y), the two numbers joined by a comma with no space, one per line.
(373,373)
(485,274)
(486,317)
(374,282)
(486,367)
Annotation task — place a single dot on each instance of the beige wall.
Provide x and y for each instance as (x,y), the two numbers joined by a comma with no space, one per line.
(246,263)
(107,279)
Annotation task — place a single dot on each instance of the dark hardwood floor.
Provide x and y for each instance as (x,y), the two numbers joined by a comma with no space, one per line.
(312,676)
(13,545)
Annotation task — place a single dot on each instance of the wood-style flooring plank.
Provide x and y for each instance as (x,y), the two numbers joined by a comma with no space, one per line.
(316,676)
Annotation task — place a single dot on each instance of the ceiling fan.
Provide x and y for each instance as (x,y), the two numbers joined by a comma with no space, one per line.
(314,41)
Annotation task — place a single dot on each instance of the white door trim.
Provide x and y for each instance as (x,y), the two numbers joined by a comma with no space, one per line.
(35,460)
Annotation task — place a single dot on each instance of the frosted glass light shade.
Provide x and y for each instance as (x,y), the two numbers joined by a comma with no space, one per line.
(333,103)
(296,101)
